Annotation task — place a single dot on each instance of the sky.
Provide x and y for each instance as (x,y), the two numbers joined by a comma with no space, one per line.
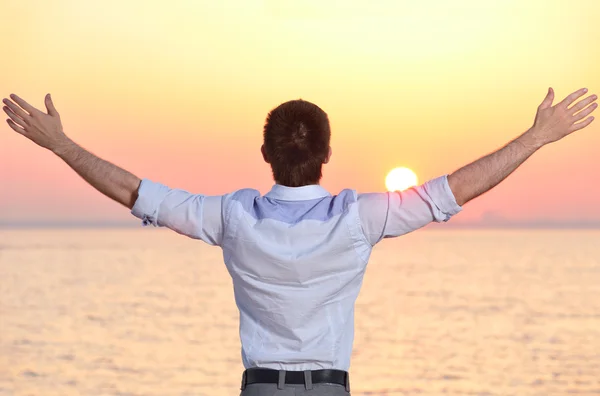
(178,92)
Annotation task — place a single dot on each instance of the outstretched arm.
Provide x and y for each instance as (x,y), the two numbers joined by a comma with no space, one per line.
(46,131)
(552,123)
(398,213)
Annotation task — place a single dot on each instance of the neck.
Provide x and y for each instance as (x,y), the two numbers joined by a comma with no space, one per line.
(302,185)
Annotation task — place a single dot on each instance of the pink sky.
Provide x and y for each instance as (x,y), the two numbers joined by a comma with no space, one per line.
(179,95)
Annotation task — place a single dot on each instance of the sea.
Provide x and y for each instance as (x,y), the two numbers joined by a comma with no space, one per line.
(145,311)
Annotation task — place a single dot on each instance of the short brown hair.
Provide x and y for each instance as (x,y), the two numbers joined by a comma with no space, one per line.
(296,141)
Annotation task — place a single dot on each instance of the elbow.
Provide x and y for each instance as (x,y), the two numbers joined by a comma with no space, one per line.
(132,194)
(130,202)
(459,193)
(460,199)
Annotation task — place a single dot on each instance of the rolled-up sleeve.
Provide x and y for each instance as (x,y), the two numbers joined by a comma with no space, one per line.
(391,214)
(195,215)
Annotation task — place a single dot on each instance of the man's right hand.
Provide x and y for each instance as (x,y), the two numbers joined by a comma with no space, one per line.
(552,123)
(46,130)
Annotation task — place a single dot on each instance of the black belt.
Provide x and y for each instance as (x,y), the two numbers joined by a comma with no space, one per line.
(270,376)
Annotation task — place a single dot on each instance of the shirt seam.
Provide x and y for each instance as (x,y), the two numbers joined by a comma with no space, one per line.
(387,215)
(362,237)
(228,227)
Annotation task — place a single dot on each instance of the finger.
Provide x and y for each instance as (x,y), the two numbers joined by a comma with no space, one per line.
(585,112)
(50,106)
(14,117)
(547,102)
(582,124)
(16,109)
(566,102)
(15,127)
(29,108)
(583,103)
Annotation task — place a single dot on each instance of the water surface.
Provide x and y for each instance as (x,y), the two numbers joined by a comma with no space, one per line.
(150,312)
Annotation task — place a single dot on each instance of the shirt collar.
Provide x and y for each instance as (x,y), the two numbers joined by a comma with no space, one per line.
(303,193)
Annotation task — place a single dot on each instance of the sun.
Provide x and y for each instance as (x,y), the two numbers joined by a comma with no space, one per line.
(400,179)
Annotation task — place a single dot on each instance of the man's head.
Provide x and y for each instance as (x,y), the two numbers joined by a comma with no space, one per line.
(296,143)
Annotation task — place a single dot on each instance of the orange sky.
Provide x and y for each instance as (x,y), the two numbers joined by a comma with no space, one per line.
(178,91)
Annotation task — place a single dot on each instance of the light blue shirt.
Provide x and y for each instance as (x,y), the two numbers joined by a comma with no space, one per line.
(297,257)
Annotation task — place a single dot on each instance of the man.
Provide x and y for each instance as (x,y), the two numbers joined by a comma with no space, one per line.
(297,255)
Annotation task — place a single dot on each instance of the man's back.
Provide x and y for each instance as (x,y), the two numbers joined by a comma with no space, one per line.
(297,257)
(297,267)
